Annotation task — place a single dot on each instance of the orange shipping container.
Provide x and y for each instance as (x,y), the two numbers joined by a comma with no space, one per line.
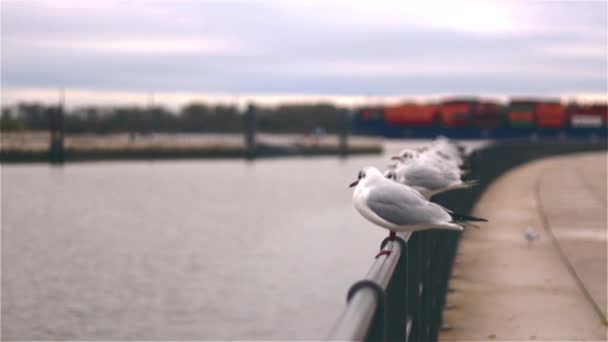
(550,115)
(410,115)
(455,114)
(518,116)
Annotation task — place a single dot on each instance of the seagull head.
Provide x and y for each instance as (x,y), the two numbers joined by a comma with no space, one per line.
(422,149)
(390,174)
(405,155)
(443,155)
(367,175)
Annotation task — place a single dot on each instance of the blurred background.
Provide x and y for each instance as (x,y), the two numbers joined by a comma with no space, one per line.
(174,223)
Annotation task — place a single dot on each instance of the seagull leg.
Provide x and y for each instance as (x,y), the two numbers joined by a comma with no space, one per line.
(392,236)
(383,252)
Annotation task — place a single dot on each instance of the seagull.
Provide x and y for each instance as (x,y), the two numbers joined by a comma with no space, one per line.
(412,153)
(400,208)
(427,175)
(450,150)
(450,146)
(430,155)
(530,234)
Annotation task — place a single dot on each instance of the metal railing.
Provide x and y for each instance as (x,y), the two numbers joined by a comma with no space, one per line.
(402,296)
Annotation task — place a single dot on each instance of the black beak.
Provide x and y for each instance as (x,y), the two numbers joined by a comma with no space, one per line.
(396,158)
(354,183)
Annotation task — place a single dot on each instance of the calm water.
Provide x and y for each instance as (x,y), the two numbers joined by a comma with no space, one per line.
(178,250)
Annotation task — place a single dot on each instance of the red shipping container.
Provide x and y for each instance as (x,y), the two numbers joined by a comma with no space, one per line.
(601,110)
(410,115)
(456,113)
(486,115)
(520,115)
(550,115)
(588,116)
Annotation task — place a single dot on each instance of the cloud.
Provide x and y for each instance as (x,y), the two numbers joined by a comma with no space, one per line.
(157,46)
(397,69)
(313,47)
(576,49)
(482,17)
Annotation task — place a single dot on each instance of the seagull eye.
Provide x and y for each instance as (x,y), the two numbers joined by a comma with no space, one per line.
(361,174)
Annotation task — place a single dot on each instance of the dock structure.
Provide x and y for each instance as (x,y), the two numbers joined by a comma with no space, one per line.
(249,128)
(26,146)
(57,134)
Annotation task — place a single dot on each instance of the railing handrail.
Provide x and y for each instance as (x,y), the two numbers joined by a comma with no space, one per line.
(363,299)
(418,285)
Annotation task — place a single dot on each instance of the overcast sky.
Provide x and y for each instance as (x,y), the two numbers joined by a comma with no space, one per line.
(277,49)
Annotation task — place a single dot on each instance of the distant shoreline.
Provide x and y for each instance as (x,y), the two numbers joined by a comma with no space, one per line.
(32,147)
(164,154)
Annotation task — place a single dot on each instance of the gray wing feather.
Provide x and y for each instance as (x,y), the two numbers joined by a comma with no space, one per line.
(429,177)
(403,206)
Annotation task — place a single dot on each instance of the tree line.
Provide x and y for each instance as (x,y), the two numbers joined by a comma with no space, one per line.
(194,117)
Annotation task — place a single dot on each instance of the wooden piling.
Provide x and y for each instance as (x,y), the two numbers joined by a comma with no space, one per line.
(56,150)
(249,128)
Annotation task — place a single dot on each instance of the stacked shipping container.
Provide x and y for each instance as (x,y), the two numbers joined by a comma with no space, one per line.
(457,113)
(551,115)
(410,114)
(519,115)
(486,115)
(588,116)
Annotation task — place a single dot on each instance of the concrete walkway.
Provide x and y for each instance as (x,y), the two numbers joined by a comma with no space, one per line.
(552,288)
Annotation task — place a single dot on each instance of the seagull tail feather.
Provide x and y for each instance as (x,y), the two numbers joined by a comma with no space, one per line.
(467,184)
(466,218)
(469,225)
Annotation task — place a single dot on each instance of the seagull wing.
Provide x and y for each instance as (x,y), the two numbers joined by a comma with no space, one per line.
(402,205)
(428,177)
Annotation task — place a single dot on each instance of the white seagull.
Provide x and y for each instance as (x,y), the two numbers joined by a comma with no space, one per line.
(530,234)
(432,155)
(400,208)
(450,148)
(427,175)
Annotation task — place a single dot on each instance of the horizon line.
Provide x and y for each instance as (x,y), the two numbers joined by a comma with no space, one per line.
(80,97)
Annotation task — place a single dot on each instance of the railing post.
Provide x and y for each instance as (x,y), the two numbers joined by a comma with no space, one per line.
(443,250)
(413,284)
(427,292)
(378,329)
(397,298)
(420,319)
(436,275)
